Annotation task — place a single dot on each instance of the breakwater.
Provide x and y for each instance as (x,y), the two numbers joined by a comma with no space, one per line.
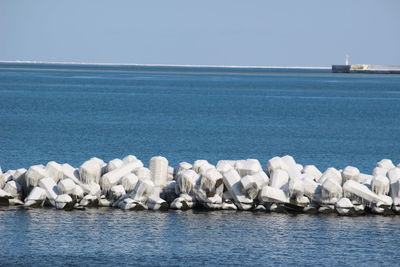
(282,185)
(362,68)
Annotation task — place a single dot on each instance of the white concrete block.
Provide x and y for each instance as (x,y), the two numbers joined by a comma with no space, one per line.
(19,176)
(14,189)
(385,164)
(34,174)
(142,173)
(36,197)
(114,164)
(310,187)
(89,201)
(250,187)
(66,186)
(129,182)
(331,190)
(261,178)
(331,173)
(361,193)
(344,206)
(224,165)
(274,195)
(198,163)
(291,167)
(279,178)
(55,171)
(71,173)
(379,171)
(351,173)
(183,166)
(210,179)
(159,171)
(129,158)
(313,171)
(296,189)
(63,201)
(274,164)
(143,190)
(231,180)
(90,172)
(113,177)
(154,202)
(51,189)
(117,191)
(92,189)
(248,167)
(380,185)
(187,180)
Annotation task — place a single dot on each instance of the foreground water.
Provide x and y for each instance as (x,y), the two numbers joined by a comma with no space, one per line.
(71,113)
(174,238)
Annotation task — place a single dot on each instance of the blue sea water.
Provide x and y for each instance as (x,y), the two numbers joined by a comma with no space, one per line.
(69,113)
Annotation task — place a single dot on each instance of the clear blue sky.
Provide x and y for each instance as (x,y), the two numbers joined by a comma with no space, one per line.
(218,32)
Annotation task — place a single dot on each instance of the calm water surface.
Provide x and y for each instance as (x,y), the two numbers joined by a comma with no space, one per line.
(71,113)
(174,238)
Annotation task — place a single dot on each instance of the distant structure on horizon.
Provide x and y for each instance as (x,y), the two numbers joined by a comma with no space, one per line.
(364,68)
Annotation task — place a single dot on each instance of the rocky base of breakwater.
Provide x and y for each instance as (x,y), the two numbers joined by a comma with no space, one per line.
(281,186)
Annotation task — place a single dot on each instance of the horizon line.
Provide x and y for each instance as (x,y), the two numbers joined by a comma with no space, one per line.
(161,65)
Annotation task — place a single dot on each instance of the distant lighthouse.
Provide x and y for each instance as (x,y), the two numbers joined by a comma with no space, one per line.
(347,60)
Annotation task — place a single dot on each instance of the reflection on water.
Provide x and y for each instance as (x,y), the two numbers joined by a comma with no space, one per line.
(101,236)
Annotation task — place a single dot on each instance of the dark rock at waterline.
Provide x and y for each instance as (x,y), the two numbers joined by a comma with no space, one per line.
(4,201)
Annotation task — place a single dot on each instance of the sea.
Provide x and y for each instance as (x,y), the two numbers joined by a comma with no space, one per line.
(72,112)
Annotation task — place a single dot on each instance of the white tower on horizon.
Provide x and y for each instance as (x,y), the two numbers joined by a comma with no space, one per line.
(347,59)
